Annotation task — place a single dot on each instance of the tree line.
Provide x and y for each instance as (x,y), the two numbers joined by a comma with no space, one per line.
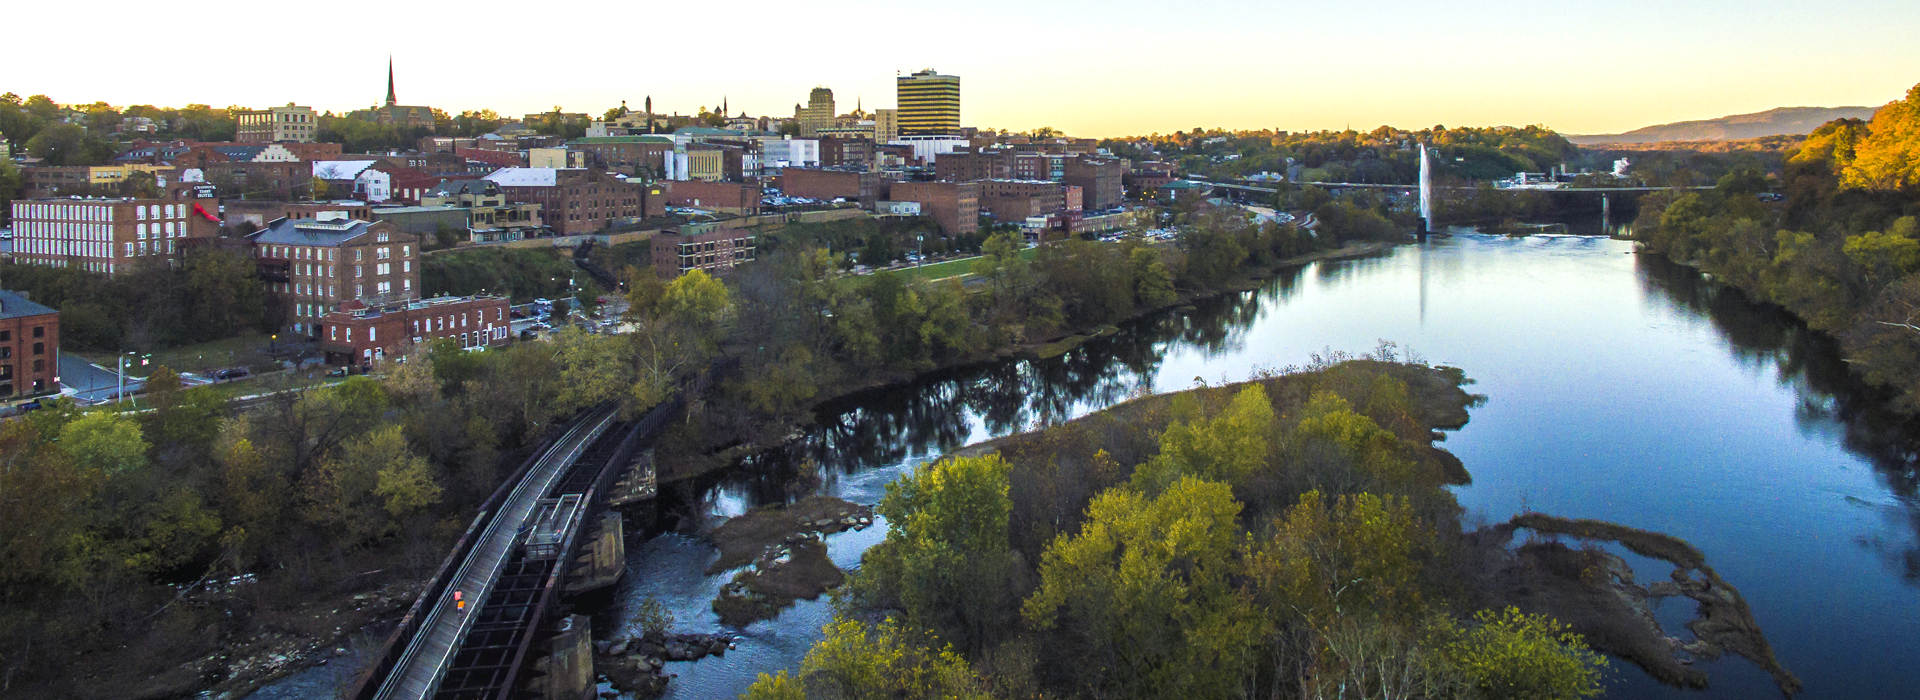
(1840,252)
(212,294)
(1385,155)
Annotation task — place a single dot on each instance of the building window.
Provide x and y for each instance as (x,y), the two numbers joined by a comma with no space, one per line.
(39,366)
(39,331)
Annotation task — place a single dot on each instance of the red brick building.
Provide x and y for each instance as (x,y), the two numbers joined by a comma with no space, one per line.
(844,152)
(827,185)
(954,205)
(969,167)
(715,247)
(29,348)
(363,334)
(317,265)
(737,198)
(579,201)
(1100,180)
(1012,201)
(260,212)
(108,235)
(498,159)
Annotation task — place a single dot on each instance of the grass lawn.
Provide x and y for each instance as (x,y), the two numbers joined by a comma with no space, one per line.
(249,349)
(950,268)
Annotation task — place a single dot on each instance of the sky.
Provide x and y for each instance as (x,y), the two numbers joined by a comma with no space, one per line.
(1089,68)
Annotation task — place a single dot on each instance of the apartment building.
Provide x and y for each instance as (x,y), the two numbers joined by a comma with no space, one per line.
(715,247)
(317,265)
(289,123)
(109,235)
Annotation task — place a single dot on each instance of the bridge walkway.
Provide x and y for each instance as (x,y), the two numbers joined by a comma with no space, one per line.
(419,670)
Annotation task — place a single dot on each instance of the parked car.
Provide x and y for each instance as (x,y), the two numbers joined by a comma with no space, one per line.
(230,373)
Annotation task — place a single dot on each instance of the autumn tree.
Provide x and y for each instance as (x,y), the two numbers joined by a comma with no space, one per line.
(884,661)
(1142,599)
(1510,655)
(945,561)
(1229,447)
(1889,157)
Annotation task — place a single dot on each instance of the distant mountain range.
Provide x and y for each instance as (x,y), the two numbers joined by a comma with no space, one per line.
(1773,122)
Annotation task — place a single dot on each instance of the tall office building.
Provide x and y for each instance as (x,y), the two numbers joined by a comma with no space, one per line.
(929,104)
(886,125)
(818,112)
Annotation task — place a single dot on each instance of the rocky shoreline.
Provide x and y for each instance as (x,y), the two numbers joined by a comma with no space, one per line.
(637,665)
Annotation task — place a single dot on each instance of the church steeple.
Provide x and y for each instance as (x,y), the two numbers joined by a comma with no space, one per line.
(391,100)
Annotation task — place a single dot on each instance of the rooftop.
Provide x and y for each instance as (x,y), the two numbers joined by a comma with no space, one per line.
(310,232)
(651,138)
(12,305)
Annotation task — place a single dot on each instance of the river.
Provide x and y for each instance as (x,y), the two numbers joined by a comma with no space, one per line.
(1619,386)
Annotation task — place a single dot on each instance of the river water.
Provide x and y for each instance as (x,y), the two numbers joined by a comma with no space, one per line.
(1619,386)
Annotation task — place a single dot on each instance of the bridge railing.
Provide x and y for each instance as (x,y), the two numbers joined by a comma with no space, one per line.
(368,682)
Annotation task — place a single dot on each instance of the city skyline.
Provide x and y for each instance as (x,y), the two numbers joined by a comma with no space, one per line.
(1101,73)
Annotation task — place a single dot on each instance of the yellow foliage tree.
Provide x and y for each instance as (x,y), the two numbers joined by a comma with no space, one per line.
(1889,157)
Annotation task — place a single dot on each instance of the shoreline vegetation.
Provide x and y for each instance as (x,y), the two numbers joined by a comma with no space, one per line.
(1289,535)
(1842,250)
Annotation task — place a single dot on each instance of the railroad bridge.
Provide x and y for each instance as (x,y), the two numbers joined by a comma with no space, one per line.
(485,617)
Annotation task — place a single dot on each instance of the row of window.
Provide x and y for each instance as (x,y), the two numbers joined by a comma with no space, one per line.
(382,269)
(359,290)
(319,253)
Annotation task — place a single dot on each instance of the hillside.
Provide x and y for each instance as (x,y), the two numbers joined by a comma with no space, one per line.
(1783,120)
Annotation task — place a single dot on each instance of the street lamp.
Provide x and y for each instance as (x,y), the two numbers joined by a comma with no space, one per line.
(120,388)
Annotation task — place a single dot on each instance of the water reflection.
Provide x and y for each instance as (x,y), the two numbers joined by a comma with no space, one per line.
(1833,403)
(1622,387)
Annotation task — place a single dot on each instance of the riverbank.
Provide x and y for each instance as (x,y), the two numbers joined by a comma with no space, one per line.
(721,450)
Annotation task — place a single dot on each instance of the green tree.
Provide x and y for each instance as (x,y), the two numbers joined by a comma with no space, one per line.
(872,662)
(1144,596)
(1330,557)
(698,302)
(1509,655)
(1152,282)
(591,369)
(1885,257)
(1230,447)
(68,144)
(105,440)
(946,558)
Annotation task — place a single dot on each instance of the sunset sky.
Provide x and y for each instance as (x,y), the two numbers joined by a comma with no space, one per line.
(1087,68)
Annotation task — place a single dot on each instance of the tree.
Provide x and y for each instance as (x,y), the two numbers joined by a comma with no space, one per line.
(68,144)
(1332,557)
(105,440)
(591,369)
(857,661)
(1509,655)
(1230,447)
(1889,157)
(946,558)
(697,301)
(370,483)
(11,182)
(1152,282)
(1143,596)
